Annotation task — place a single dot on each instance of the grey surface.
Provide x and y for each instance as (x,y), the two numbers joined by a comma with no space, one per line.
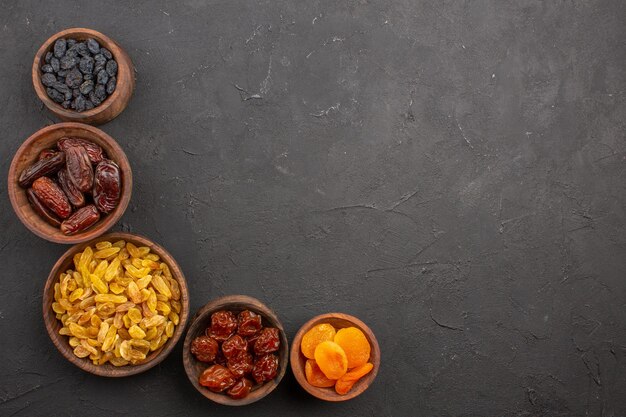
(450,172)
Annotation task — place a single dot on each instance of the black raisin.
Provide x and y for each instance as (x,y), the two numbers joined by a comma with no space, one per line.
(48,79)
(55,95)
(107,54)
(75,92)
(86,65)
(68,62)
(88,77)
(79,103)
(66,104)
(47,68)
(111,85)
(103,77)
(72,52)
(74,78)
(94,99)
(48,57)
(88,105)
(100,92)
(60,46)
(63,89)
(55,64)
(71,42)
(111,67)
(93,45)
(82,49)
(86,87)
(100,59)
(62,73)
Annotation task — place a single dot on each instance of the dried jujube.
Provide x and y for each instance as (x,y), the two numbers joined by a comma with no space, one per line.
(217,378)
(248,323)
(223,324)
(204,348)
(234,346)
(268,341)
(265,368)
(241,389)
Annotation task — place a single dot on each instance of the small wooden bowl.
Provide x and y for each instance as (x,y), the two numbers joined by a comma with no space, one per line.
(27,154)
(109,108)
(202,320)
(298,360)
(61,342)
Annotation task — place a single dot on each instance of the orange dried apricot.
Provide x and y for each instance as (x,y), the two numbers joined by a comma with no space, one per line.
(355,344)
(315,376)
(315,336)
(345,383)
(331,359)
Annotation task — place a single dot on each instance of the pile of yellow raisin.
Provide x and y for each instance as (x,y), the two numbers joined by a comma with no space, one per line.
(119,303)
(335,358)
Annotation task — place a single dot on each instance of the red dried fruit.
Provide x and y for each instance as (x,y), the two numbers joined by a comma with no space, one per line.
(51,196)
(40,168)
(81,220)
(241,364)
(248,323)
(205,348)
(241,389)
(95,152)
(223,325)
(234,346)
(42,210)
(47,153)
(217,378)
(73,195)
(107,186)
(79,167)
(265,368)
(268,341)
(252,340)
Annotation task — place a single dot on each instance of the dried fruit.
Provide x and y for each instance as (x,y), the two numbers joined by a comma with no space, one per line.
(241,364)
(234,346)
(217,378)
(79,167)
(354,344)
(267,342)
(331,359)
(40,168)
(223,325)
(241,389)
(60,46)
(51,196)
(107,186)
(81,220)
(42,210)
(265,368)
(46,153)
(73,195)
(248,323)
(204,348)
(316,335)
(315,376)
(345,383)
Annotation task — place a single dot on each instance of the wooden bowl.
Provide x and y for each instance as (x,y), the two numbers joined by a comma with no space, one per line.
(112,105)
(27,154)
(202,320)
(298,360)
(61,342)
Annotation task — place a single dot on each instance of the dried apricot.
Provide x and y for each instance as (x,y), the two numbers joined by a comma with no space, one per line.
(345,383)
(331,359)
(355,344)
(316,335)
(315,376)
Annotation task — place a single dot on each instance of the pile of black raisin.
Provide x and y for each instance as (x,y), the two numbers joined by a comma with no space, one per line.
(79,75)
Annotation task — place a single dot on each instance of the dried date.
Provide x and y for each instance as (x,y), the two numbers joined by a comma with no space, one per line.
(51,196)
(42,210)
(107,186)
(73,194)
(95,152)
(265,368)
(217,378)
(47,153)
(40,168)
(268,341)
(234,346)
(241,364)
(223,324)
(248,323)
(241,389)
(79,167)
(82,219)
(205,348)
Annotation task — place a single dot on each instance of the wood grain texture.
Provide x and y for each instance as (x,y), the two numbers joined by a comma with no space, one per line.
(27,154)
(298,360)
(61,342)
(202,320)
(114,104)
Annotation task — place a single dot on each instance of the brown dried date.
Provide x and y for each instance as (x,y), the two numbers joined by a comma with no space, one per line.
(73,195)
(79,167)
(249,323)
(205,348)
(234,346)
(223,324)
(241,389)
(107,186)
(95,152)
(47,153)
(51,196)
(82,219)
(217,378)
(268,341)
(241,364)
(42,210)
(40,168)
(265,368)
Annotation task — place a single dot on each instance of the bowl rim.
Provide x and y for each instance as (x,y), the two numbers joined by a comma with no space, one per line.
(40,89)
(222,303)
(104,224)
(107,370)
(329,394)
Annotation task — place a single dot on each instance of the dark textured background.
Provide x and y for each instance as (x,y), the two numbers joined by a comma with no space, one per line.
(452,172)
